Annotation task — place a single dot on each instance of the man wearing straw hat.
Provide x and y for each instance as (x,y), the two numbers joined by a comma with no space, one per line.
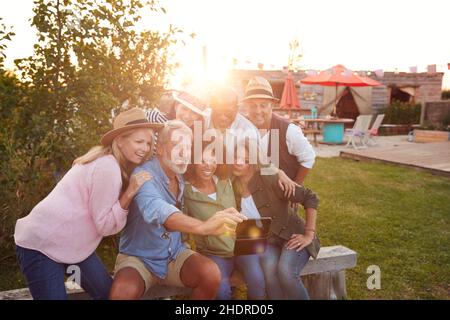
(226,119)
(296,155)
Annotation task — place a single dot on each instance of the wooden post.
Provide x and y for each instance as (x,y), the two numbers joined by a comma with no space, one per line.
(326,286)
(422,112)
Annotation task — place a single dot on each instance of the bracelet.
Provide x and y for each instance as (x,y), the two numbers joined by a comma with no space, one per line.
(311,230)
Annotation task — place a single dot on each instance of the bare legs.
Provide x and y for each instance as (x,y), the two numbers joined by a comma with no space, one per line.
(198,272)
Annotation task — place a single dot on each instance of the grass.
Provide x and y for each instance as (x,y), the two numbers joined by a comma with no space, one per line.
(393,217)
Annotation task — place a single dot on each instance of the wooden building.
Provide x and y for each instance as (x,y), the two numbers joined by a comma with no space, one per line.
(406,87)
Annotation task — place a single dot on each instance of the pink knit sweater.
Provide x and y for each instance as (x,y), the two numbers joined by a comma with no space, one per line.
(68,225)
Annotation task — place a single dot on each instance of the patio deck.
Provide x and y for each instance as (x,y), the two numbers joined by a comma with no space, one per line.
(431,157)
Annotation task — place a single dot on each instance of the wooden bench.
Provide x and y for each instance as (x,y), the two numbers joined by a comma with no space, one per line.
(324,278)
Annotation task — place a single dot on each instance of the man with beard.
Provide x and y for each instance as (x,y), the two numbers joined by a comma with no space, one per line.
(296,155)
(151,250)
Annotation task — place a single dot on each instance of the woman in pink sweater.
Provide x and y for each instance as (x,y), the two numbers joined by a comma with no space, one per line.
(91,201)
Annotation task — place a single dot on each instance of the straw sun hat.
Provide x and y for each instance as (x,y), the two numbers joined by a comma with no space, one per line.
(131,119)
(259,88)
(191,102)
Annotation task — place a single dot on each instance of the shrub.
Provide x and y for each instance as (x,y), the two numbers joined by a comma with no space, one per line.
(78,76)
(402,113)
(446,121)
(445,94)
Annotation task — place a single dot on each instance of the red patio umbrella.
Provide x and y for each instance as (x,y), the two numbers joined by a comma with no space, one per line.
(289,98)
(340,76)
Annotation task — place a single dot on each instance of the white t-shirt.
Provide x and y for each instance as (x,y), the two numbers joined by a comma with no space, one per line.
(211,195)
(296,141)
(239,123)
(248,208)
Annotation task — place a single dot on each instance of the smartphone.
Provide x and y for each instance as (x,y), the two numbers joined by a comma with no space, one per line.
(253,228)
(251,236)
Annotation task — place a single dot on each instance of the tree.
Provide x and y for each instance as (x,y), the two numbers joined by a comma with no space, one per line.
(295,55)
(118,63)
(5,35)
(89,58)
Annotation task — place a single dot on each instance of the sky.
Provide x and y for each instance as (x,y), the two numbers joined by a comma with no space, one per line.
(362,35)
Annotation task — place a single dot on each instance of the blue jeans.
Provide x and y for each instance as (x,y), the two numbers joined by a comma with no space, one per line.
(282,269)
(45,277)
(250,267)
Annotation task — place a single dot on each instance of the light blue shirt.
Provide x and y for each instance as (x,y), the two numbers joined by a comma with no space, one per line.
(144,235)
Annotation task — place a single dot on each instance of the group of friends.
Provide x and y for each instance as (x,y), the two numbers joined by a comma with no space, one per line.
(143,181)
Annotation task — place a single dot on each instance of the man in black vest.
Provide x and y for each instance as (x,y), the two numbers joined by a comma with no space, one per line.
(296,155)
(225,117)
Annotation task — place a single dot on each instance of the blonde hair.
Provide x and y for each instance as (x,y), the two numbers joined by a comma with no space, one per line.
(99,151)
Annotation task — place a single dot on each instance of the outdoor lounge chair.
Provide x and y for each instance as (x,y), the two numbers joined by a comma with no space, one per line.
(369,137)
(358,131)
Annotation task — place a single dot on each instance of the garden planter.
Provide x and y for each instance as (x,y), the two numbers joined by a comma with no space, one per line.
(395,129)
(431,135)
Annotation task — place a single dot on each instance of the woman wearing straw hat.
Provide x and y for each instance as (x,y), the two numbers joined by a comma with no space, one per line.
(90,202)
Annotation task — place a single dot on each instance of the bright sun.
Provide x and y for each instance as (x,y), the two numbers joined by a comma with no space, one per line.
(206,73)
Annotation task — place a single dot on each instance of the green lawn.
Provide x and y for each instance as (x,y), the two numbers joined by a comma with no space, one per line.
(393,217)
